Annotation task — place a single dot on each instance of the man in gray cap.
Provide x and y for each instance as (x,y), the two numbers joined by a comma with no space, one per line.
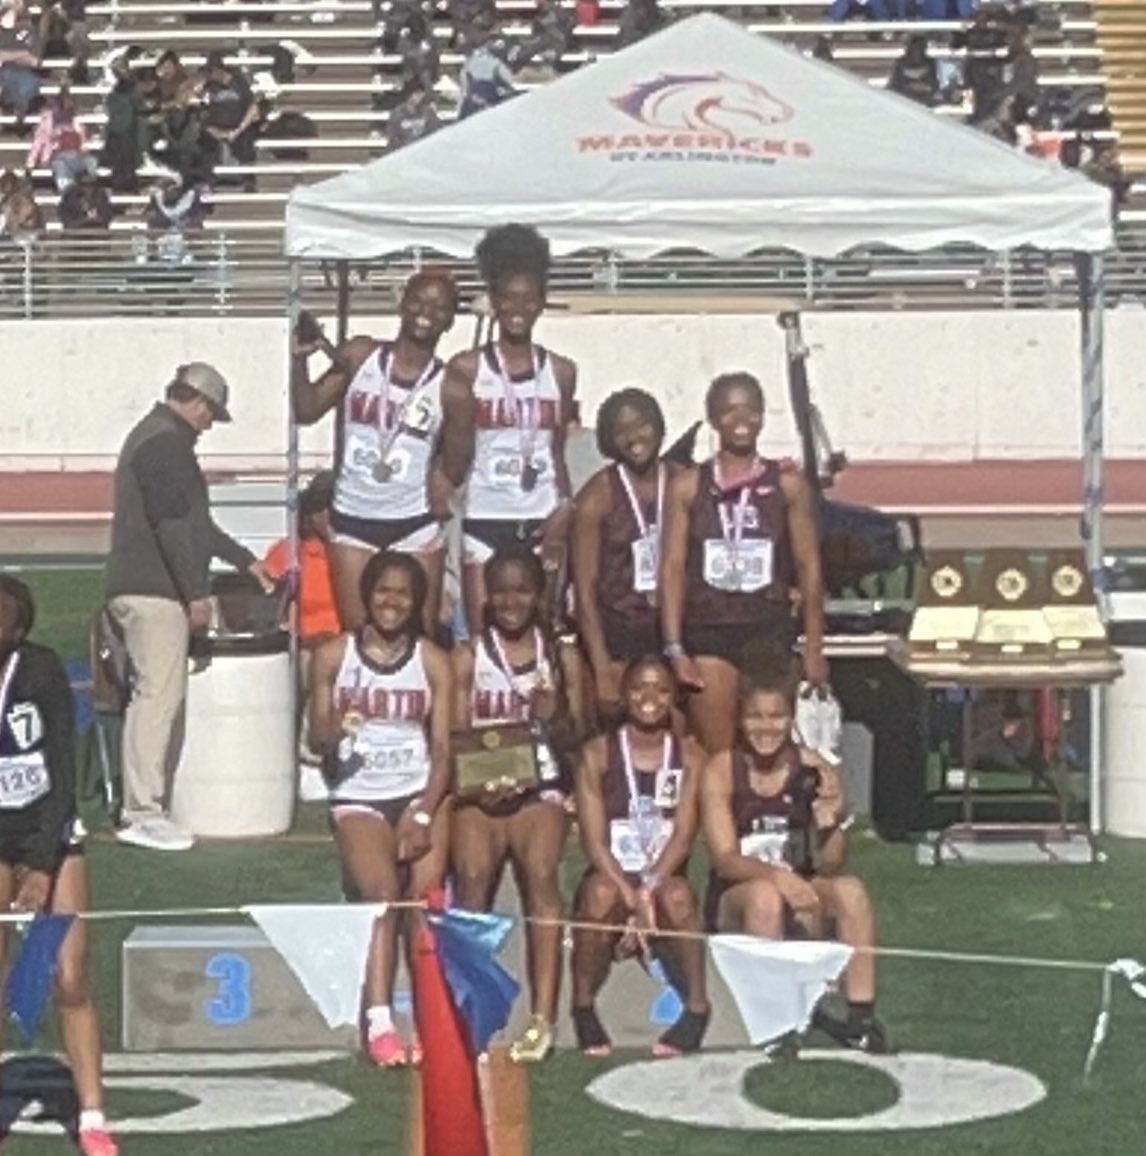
(163,540)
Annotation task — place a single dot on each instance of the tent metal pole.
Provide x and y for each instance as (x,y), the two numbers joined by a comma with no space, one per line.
(1092,301)
(342,324)
(294,308)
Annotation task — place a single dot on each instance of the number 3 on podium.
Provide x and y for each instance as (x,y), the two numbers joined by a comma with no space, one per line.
(232,1002)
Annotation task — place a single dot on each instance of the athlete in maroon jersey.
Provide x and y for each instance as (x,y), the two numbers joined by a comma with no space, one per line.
(426,313)
(380,714)
(740,531)
(637,811)
(511,675)
(774,821)
(616,540)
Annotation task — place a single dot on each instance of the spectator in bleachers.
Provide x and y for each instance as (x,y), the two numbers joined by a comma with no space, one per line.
(231,115)
(640,18)
(175,85)
(1000,122)
(1022,72)
(20,217)
(986,67)
(60,143)
(414,118)
(548,40)
(85,206)
(822,50)
(19,61)
(486,79)
(881,11)
(421,66)
(174,208)
(916,74)
(126,133)
(64,32)
(946,9)
(470,18)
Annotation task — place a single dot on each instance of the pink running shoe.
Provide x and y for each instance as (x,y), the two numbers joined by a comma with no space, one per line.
(387,1050)
(98,1142)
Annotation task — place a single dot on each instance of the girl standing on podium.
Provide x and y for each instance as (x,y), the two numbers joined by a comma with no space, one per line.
(511,679)
(42,866)
(616,538)
(380,713)
(522,399)
(402,440)
(740,532)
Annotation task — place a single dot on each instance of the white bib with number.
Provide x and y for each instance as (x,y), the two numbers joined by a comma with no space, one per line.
(646,563)
(769,844)
(628,850)
(23,780)
(743,567)
(395,765)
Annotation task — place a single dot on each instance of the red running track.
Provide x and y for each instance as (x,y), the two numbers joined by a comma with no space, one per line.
(1045,486)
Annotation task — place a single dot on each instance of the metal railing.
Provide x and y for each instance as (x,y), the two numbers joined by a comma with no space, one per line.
(222,274)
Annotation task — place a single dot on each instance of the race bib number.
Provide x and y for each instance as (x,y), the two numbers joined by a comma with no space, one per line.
(667,796)
(22,782)
(646,563)
(768,844)
(507,468)
(396,468)
(744,568)
(627,847)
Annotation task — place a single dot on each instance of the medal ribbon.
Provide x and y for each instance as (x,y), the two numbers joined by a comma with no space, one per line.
(732,525)
(648,826)
(502,662)
(388,434)
(6,683)
(528,441)
(646,530)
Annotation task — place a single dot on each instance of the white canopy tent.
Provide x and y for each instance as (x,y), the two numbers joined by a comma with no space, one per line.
(705,137)
(708,137)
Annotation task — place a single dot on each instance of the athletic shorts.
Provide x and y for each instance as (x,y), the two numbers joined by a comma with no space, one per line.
(715,893)
(418,535)
(626,643)
(388,809)
(746,646)
(15,849)
(482,537)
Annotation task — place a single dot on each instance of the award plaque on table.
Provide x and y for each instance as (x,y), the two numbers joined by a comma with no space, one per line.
(1071,610)
(947,610)
(492,760)
(1012,624)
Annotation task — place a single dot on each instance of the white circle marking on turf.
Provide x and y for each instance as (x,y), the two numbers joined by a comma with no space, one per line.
(708,1090)
(223,1102)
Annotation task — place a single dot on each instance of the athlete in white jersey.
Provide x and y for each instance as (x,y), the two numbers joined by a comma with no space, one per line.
(507,677)
(522,401)
(402,446)
(380,714)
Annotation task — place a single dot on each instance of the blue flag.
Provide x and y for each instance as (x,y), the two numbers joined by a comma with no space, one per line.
(30,980)
(483,991)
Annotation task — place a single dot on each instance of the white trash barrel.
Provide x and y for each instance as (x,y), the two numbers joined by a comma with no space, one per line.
(1124,721)
(236,775)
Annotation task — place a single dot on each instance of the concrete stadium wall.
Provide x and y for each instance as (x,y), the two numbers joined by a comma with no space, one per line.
(892,386)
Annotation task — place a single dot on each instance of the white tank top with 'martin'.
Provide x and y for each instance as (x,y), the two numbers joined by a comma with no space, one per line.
(515,425)
(388,438)
(389,751)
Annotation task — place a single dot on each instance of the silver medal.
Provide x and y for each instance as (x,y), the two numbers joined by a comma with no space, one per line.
(383,470)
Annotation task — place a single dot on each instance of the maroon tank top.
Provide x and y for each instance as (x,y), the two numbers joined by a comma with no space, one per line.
(750,808)
(615,783)
(617,595)
(765,519)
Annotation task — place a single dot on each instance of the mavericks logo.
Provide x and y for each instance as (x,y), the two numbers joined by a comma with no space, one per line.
(706,117)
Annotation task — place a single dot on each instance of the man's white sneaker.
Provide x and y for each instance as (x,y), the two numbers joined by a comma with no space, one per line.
(156,833)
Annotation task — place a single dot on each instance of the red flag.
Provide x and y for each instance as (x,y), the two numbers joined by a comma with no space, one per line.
(452,1123)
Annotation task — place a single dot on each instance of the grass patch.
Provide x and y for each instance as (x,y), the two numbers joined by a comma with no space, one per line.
(820,1089)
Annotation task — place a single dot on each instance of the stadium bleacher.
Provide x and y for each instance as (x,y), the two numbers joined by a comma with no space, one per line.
(341,74)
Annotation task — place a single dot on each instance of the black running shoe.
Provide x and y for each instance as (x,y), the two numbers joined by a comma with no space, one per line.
(867,1035)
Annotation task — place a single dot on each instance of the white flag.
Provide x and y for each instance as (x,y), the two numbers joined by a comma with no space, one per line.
(776,983)
(326,947)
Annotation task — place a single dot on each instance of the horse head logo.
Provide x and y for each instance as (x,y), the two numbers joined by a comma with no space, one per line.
(714,103)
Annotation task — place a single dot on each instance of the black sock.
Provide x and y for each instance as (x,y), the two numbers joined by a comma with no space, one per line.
(860,1012)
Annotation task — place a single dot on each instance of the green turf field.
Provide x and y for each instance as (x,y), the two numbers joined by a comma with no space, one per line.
(1035,1020)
